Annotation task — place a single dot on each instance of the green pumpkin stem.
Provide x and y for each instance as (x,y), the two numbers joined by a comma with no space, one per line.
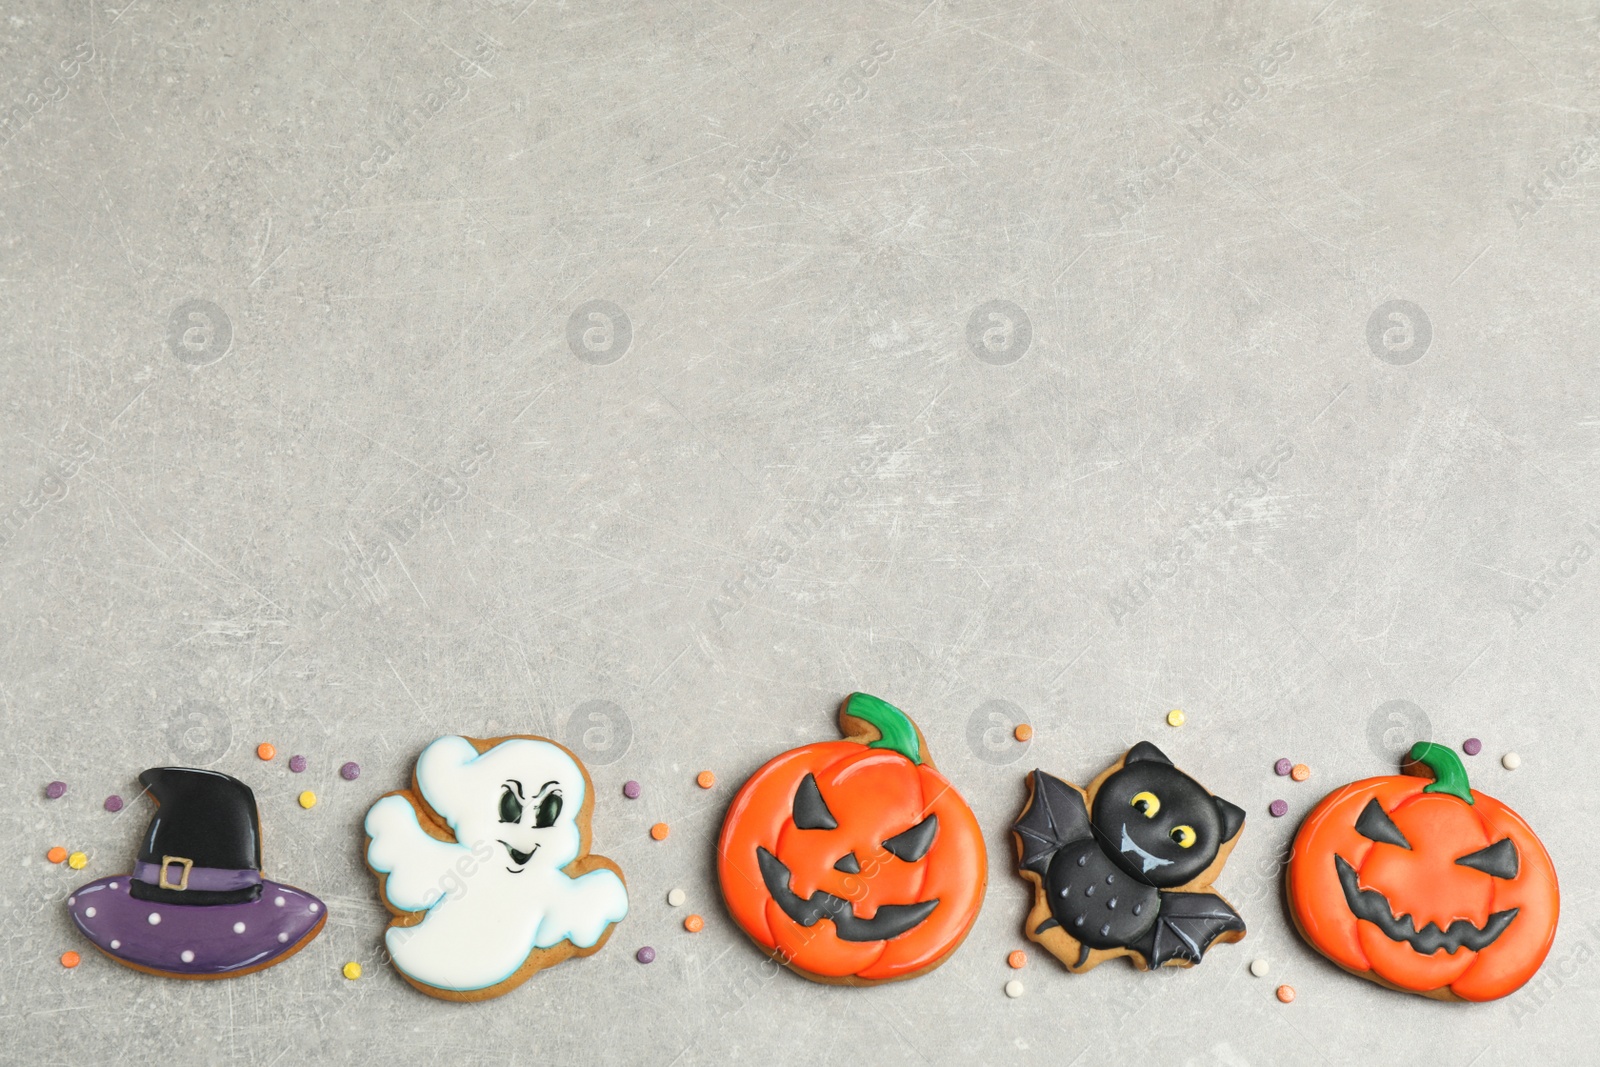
(896,731)
(1449,776)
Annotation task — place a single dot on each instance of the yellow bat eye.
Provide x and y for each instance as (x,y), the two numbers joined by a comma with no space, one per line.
(1183,835)
(1146,804)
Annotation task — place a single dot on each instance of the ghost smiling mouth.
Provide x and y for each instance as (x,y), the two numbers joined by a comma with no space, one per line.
(519,858)
(892,920)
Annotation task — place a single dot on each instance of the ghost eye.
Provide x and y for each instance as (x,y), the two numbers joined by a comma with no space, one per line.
(913,844)
(549,811)
(1183,835)
(510,806)
(1146,804)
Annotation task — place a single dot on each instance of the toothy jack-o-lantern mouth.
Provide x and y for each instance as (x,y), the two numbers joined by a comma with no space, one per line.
(854,862)
(1422,885)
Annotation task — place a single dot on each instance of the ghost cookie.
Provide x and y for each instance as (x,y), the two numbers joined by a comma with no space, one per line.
(854,862)
(485,864)
(1125,867)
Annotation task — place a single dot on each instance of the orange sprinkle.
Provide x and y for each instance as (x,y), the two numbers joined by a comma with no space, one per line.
(1286,994)
(1299,772)
(70,959)
(1023,732)
(265,750)
(694,924)
(1018,959)
(705,779)
(56,855)
(659,831)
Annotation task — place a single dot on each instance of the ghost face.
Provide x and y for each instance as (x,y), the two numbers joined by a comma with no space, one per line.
(520,799)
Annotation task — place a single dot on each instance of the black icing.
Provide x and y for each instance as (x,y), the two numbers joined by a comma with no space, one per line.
(203,816)
(1499,859)
(848,864)
(913,844)
(1373,906)
(891,920)
(810,810)
(1374,823)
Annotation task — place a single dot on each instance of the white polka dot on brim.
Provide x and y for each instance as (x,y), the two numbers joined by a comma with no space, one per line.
(116,944)
(282,938)
(313,908)
(186,956)
(155,918)
(238,928)
(71,901)
(278,901)
(88,913)
(113,885)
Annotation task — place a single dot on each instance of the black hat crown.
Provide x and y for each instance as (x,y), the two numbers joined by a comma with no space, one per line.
(205,824)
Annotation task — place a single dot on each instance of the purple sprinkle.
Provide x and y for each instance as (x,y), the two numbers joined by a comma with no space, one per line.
(1283,767)
(1278,808)
(113,803)
(630,789)
(646,955)
(1472,746)
(297,763)
(350,771)
(55,790)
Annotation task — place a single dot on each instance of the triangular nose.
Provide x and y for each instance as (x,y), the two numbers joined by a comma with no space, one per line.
(848,864)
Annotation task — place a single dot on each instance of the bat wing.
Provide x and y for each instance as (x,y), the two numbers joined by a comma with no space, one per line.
(1186,926)
(1055,816)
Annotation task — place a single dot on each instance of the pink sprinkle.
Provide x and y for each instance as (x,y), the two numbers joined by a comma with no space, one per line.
(646,955)
(1283,767)
(1278,808)
(297,763)
(56,790)
(350,771)
(631,790)
(1472,746)
(113,803)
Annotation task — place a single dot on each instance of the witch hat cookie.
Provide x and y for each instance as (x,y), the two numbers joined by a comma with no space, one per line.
(196,905)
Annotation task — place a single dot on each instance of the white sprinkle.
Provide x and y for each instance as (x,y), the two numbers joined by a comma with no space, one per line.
(116,944)
(1511,761)
(282,938)
(238,928)
(676,898)
(1014,989)
(186,956)
(278,901)
(155,918)
(1259,968)
(88,913)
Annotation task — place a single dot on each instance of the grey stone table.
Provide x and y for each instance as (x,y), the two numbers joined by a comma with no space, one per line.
(651,376)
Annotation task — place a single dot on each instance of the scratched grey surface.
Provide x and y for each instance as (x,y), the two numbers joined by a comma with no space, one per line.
(273,279)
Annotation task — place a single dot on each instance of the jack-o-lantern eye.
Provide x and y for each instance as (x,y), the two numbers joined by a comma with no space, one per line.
(1183,835)
(1146,804)
(1499,859)
(913,844)
(510,806)
(810,810)
(1375,825)
(549,810)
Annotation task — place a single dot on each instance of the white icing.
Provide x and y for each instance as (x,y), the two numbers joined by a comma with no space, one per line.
(88,913)
(238,928)
(116,944)
(282,938)
(186,956)
(155,918)
(485,911)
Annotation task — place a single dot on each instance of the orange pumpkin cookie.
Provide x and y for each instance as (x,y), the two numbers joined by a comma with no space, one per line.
(854,862)
(1424,886)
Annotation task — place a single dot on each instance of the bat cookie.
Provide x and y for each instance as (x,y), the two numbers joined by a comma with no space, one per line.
(854,862)
(1125,867)
(485,864)
(195,905)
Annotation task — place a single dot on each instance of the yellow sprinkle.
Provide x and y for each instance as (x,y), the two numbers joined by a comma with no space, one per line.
(352,970)
(1175,717)
(308,799)
(77,861)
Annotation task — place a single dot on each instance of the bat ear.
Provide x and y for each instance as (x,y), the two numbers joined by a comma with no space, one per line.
(1232,817)
(1144,752)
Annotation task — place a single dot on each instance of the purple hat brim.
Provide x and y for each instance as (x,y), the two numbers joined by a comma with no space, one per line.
(196,941)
